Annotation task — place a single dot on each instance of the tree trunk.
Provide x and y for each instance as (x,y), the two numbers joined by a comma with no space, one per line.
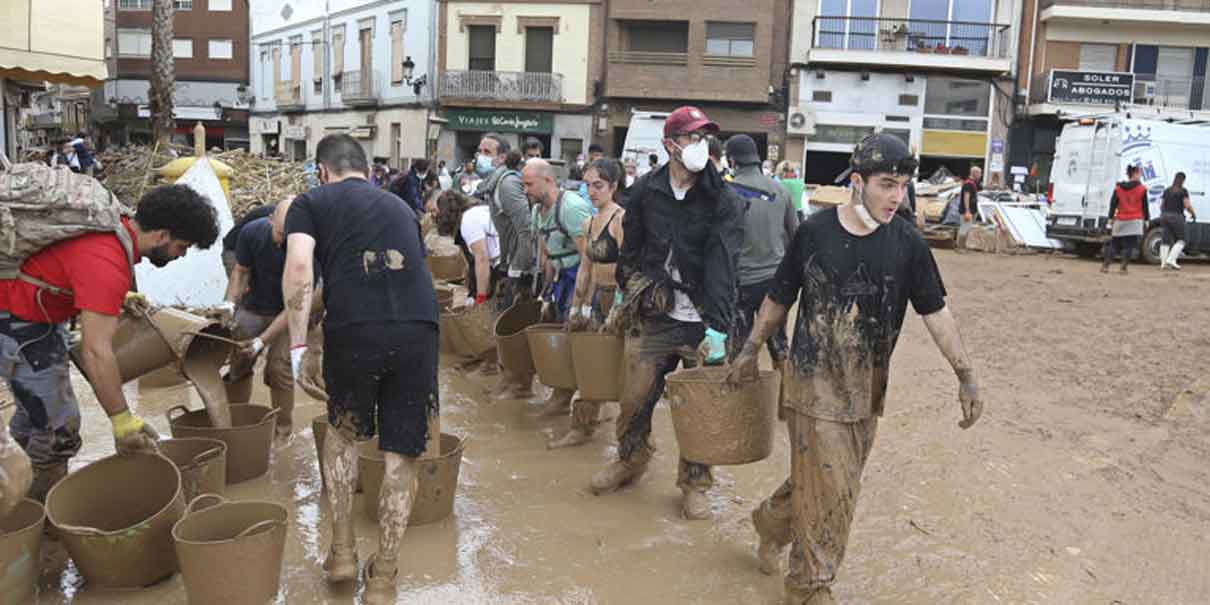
(163,72)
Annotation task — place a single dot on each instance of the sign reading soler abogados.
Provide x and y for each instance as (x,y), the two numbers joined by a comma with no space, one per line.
(1090,87)
(500,121)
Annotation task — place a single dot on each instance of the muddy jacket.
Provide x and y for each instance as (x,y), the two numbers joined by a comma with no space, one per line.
(505,196)
(704,231)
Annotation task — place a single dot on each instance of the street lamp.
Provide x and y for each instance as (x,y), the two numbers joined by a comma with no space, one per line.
(409,67)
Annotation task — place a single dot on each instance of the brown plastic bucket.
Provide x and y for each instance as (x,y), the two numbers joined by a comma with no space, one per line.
(115,518)
(435,489)
(450,267)
(717,423)
(249,440)
(600,365)
(451,329)
(476,327)
(163,378)
(551,349)
(21,551)
(202,463)
(145,343)
(445,296)
(512,345)
(231,552)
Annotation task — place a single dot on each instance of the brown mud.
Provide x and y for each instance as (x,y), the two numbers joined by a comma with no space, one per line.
(1076,486)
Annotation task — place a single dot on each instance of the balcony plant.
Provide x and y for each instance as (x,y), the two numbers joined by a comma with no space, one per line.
(960,50)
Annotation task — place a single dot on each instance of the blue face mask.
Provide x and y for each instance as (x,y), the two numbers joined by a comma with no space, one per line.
(483,165)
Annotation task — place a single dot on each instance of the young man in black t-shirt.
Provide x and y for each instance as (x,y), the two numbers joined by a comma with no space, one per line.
(853,269)
(380,338)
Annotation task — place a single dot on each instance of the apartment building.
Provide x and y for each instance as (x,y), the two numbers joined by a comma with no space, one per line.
(1081,57)
(361,67)
(210,51)
(938,73)
(728,60)
(521,69)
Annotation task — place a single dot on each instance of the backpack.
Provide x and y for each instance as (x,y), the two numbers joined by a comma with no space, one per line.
(41,205)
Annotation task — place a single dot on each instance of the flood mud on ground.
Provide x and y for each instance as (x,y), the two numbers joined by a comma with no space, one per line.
(1076,486)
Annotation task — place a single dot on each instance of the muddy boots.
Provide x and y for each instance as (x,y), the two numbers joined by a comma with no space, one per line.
(380,589)
(583,424)
(618,474)
(559,402)
(283,401)
(695,504)
(821,596)
(1173,256)
(45,477)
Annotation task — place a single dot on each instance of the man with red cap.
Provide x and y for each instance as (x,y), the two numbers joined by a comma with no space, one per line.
(683,233)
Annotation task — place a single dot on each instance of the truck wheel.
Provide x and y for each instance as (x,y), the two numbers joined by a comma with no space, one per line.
(1151,245)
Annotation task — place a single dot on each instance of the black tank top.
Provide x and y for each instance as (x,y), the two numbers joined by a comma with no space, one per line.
(604,249)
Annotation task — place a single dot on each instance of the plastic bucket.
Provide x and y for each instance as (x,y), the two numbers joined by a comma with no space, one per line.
(202,463)
(231,552)
(20,551)
(435,489)
(599,363)
(512,345)
(476,327)
(115,518)
(451,330)
(716,423)
(551,349)
(249,440)
(145,343)
(445,296)
(451,267)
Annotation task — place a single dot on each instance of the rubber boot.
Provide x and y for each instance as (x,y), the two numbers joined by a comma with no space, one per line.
(768,553)
(558,404)
(615,475)
(1175,255)
(822,596)
(283,400)
(341,563)
(1125,261)
(584,416)
(516,387)
(45,477)
(695,504)
(379,590)
(1164,249)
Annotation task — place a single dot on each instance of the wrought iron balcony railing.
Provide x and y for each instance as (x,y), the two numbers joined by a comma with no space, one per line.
(961,38)
(502,86)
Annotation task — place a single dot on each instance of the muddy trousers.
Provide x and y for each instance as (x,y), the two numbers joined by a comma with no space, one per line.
(813,509)
(279,376)
(46,423)
(664,343)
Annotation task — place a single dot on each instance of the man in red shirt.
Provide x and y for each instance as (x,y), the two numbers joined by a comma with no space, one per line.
(93,275)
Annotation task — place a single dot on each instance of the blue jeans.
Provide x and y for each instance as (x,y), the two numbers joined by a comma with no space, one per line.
(562,289)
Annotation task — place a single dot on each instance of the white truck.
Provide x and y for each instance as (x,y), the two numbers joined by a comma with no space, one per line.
(1091,157)
(645,136)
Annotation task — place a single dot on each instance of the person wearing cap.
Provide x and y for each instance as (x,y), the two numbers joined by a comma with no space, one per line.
(682,234)
(770,221)
(853,269)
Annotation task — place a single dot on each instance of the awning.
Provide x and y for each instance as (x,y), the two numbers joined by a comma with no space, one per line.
(61,41)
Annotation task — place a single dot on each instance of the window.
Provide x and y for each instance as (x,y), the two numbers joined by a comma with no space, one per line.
(221,48)
(296,58)
(482,39)
(835,133)
(182,48)
(539,49)
(134,43)
(1098,57)
(730,39)
(910,100)
(396,51)
(847,24)
(219,5)
(338,52)
(317,59)
(821,96)
(657,36)
(951,24)
(134,5)
(182,5)
(954,104)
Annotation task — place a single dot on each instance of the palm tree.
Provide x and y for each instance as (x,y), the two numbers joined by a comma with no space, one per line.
(163,72)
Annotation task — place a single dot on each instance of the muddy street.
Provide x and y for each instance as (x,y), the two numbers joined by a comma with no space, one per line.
(1077,486)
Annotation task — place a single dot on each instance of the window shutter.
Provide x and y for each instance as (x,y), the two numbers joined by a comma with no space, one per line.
(338,53)
(397,52)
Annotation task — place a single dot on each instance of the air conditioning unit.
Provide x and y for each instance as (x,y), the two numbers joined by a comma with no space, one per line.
(800,121)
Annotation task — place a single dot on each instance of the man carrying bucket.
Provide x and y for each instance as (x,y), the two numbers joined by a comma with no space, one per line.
(856,267)
(86,277)
(683,232)
(380,339)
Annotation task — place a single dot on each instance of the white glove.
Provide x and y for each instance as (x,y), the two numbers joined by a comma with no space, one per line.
(256,346)
(586,311)
(226,306)
(469,302)
(514,273)
(296,358)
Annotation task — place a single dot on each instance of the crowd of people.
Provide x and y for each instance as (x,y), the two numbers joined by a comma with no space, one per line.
(697,261)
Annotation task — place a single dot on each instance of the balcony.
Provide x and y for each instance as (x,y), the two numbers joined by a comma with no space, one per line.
(359,88)
(943,46)
(507,86)
(1193,12)
(1163,93)
(38,121)
(288,96)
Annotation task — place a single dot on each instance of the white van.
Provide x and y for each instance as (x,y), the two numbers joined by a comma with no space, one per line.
(644,137)
(1091,157)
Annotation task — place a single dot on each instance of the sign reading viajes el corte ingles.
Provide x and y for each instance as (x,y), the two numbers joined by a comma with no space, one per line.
(500,121)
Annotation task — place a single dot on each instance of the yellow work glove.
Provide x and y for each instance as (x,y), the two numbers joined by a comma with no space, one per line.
(131,435)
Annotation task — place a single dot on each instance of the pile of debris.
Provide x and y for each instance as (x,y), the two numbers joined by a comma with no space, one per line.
(130,171)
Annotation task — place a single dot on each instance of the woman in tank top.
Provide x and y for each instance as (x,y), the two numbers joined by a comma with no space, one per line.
(596,286)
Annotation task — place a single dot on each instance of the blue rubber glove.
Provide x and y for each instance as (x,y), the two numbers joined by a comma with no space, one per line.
(617,298)
(714,346)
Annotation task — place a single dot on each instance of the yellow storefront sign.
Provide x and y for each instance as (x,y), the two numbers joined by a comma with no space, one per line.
(954,143)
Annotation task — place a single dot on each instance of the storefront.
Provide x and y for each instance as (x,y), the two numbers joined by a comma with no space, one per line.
(563,136)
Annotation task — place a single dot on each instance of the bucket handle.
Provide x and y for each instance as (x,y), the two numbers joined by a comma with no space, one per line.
(208,455)
(258,527)
(270,415)
(82,530)
(214,498)
(176,408)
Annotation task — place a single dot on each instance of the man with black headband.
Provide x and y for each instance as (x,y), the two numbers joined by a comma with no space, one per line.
(856,267)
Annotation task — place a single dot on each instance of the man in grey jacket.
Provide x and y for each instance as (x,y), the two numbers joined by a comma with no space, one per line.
(770,221)
(504,193)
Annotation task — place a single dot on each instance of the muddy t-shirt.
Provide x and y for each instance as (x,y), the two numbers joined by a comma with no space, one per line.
(370,254)
(854,294)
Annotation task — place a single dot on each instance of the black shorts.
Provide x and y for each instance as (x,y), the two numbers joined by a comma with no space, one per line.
(1174,227)
(382,380)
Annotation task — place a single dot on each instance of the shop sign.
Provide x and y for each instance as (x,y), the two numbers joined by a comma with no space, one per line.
(1090,87)
(295,132)
(362,132)
(500,121)
(263,126)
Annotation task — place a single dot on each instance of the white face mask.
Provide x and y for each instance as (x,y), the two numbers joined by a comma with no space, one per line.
(695,156)
(629,180)
(863,213)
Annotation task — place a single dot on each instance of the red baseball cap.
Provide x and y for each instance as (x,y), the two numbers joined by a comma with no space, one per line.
(687,119)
